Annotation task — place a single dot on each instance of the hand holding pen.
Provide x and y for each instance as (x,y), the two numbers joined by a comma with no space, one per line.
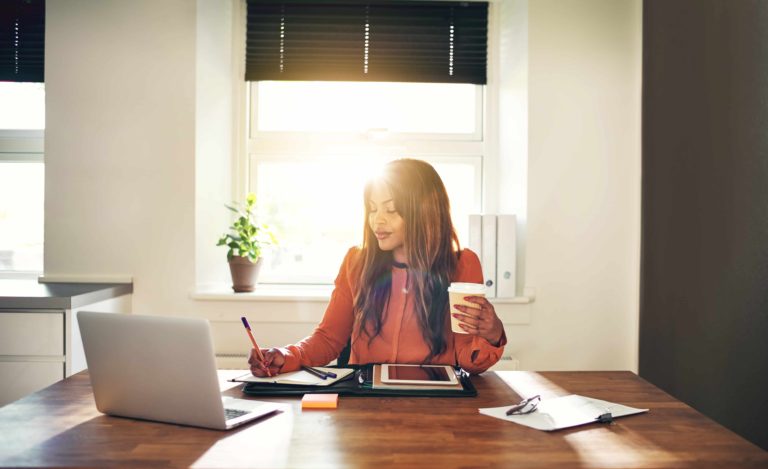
(263,362)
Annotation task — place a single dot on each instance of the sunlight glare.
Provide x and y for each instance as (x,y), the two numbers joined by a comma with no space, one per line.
(444,108)
(21,216)
(268,443)
(526,384)
(22,105)
(617,448)
(318,210)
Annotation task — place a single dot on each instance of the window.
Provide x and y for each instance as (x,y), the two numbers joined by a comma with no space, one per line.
(22,120)
(403,108)
(312,144)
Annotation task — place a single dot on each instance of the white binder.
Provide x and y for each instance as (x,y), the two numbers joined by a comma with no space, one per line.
(488,257)
(506,255)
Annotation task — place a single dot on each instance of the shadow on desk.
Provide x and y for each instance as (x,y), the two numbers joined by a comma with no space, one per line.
(107,441)
(103,440)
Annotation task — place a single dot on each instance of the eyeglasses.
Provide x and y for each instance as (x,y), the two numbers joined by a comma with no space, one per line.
(526,406)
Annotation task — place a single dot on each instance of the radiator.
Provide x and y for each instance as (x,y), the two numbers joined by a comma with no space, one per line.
(507,363)
(231,361)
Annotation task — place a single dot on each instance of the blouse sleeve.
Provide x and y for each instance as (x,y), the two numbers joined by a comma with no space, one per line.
(335,329)
(473,353)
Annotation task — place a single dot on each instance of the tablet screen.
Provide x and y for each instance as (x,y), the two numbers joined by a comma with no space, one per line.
(417,373)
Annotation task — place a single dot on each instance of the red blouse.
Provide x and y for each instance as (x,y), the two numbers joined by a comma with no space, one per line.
(400,340)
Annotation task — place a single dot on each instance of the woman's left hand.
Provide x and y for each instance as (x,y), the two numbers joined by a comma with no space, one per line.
(480,321)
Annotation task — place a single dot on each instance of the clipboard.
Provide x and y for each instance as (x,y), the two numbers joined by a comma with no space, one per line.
(565,412)
(361,383)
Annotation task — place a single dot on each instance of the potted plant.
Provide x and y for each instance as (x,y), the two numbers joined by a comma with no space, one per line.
(245,240)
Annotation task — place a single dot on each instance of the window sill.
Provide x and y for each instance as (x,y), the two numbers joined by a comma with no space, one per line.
(18,275)
(518,300)
(273,292)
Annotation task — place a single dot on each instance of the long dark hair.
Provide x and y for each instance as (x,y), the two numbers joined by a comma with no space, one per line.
(431,247)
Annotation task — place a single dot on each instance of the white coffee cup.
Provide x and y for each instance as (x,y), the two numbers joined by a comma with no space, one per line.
(456,293)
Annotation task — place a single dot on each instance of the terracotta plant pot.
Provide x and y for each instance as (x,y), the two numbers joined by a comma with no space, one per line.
(244,273)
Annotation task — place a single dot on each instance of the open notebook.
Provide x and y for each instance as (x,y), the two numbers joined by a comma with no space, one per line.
(301,377)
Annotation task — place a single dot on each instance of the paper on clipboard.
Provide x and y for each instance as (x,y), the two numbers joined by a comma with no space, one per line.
(563,412)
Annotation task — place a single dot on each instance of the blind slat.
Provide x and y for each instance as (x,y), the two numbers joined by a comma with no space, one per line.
(407,41)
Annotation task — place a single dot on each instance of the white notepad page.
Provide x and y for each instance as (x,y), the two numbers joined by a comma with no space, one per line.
(300,377)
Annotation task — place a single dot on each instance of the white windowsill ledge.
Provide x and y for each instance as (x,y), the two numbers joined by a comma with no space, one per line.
(309,293)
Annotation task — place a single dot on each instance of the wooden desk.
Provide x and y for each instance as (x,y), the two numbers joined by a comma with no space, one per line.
(61,426)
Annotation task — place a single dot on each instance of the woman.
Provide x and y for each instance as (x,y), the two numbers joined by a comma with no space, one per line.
(390,295)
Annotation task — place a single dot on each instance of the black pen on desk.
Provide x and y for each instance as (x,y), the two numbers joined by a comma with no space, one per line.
(327,374)
(320,373)
(315,372)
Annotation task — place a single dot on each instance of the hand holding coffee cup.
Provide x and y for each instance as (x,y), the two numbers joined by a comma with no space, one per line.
(472,313)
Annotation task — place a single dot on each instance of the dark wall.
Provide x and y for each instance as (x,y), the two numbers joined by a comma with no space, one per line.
(704,279)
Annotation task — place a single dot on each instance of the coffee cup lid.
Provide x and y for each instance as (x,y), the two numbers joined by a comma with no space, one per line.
(459,287)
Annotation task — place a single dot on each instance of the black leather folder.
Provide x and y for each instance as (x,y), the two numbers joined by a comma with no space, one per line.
(360,383)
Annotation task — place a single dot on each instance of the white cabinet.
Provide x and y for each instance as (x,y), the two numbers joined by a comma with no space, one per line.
(39,338)
(32,333)
(25,377)
(32,351)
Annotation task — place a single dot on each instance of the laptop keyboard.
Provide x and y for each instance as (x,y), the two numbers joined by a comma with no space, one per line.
(230,414)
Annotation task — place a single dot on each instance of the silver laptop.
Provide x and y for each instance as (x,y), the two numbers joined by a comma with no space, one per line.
(160,368)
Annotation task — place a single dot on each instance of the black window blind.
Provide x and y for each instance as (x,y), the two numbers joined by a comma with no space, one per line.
(22,40)
(406,41)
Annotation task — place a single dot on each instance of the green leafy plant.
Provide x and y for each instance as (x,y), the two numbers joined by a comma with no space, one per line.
(246,238)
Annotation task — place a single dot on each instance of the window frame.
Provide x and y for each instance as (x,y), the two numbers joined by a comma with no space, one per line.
(21,145)
(250,144)
(280,146)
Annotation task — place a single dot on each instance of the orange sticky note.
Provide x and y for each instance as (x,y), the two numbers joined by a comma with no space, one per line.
(320,401)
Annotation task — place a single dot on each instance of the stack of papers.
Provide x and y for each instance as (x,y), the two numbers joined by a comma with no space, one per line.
(300,377)
(563,412)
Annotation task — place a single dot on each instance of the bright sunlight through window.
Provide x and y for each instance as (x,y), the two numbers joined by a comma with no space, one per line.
(318,210)
(21,216)
(22,176)
(353,107)
(312,146)
(22,105)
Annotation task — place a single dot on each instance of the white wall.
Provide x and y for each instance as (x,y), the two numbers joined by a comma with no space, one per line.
(213,135)
(120,144)
(583,182)
(136,152)
(512,78)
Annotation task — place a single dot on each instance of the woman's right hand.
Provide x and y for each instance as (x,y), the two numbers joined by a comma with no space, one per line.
(273,362)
